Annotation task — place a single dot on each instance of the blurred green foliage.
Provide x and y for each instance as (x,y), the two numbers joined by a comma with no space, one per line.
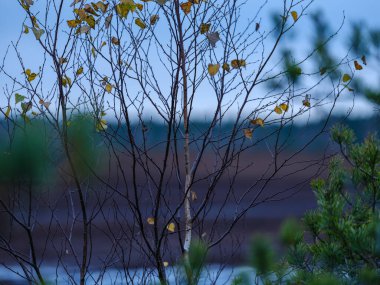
(194,261)
(30,155)
(338,242)
(25,156)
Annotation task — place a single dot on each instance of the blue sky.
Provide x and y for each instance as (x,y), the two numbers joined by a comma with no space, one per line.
(365,11)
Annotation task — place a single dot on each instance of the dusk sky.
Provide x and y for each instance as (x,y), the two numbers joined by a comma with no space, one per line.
(365,12)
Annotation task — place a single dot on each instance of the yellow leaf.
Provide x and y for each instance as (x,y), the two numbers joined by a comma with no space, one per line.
(278,110)
(166,264)
(73,23)
(237,63)
(258,121)
(140,6)
(90,9)
(101,125)
(68,80)
(205,28)
(103,7)
(30,75)
(226,67)
(171,227)
(140,23)
(284,107)
(306,101)
(213,69)
(194,196)
(7,112)
(294,15)
(90,20)
(125,7)
(81,13)
(108,88)
(150,220)
(79,71)
(186,7)
(357,65)
(248,133)
(346,77)
(154,19)
(26,29)
(115,41)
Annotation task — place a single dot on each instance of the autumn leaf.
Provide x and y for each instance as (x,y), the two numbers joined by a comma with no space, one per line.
(284,107)
(62,60)
(123,9)
(108,21)
(205,28)
(90,20)
(26,29)
(73,23)
(248,133)
(166,264)
(101,125)
(38,33)
(237,63)
(30,75)
(102,6)
(90,9)
(83,29)
(258,121)
(294,15)
(193,196)
(306,101)
(161,2)
(68,79)
(346,77)
(115,41)
(150,220)
(108,87)
(154,19)
(186,7)
(278,110)
(81,13)
(226,67)
(7,112)
(79,71)
(357,65)
(45,104)
(213,38)
(213,69)
(140,23)
(171,227)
